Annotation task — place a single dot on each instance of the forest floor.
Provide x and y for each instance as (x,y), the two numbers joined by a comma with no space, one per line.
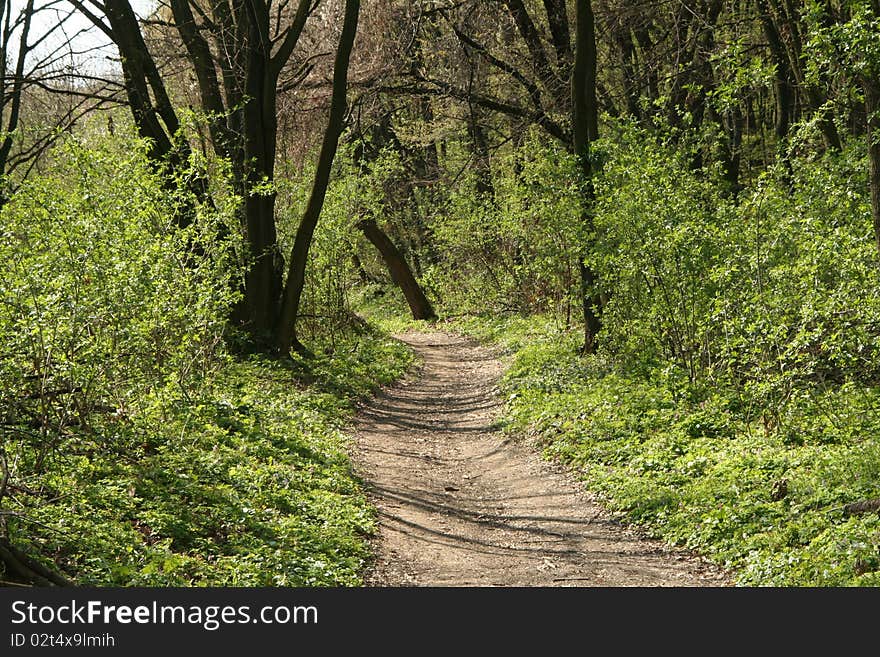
(462,504)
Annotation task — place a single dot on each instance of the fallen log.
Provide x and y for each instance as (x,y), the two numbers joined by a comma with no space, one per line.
(865,506)
(22,567)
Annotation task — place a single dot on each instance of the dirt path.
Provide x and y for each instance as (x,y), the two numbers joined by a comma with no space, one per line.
(462,506)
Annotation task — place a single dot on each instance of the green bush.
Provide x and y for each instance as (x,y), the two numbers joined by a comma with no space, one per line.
(733,405)
(139,452)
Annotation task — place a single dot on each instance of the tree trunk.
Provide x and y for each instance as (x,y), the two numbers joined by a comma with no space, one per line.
(24,569)
(585,130)
(262,293)
(400,271)
(199,52)
(286,328)
(13,96)
(149,102)
(872,107)
(783,94)
(140,75)
(789,15)
(480,156)
(622,33)
(238,88)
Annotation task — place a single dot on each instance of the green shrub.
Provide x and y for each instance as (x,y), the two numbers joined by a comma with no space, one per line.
(139,451)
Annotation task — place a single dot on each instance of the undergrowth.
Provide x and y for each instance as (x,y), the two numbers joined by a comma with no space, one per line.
(248,485)
(134,448)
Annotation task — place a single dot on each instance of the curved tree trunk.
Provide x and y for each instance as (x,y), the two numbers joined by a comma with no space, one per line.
(296,275)
(399,269)
(22,568)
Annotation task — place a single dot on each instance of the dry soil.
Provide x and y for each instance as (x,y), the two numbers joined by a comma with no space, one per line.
(462,504)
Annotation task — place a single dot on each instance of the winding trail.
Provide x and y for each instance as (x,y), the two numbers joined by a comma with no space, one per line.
(462,505)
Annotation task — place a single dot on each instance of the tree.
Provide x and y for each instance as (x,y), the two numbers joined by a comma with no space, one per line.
(33,65)
(585,130)
(419,169)
(240,53)
(146,94)
(154,116)
(251,51)
(400,271)
(848,38)
(286,327)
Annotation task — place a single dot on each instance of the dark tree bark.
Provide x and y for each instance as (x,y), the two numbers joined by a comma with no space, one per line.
(532,39)
(286,328)
(627,51)
(27,570)
(240,105)
(646,45)
(870,83)
(155,118)
(400,271)
(259,128)
(202,60)
(871,89)
(787,16)
(480,155)
(557,19)
(585,130)
(783,92)
(426,168)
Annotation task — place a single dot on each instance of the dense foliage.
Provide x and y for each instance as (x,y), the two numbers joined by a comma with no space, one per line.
(733,404)
(135,449)
(707,473)
(668,213)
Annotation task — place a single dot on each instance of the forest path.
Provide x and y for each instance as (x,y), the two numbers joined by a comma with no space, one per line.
(460,504)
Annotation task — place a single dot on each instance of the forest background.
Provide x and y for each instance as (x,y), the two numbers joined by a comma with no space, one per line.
(665,213)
